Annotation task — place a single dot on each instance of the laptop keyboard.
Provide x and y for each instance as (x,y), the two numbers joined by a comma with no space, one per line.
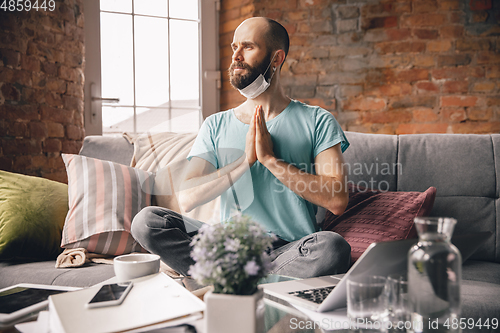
(314,295)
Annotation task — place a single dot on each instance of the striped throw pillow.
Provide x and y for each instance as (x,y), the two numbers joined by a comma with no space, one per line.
(104,197)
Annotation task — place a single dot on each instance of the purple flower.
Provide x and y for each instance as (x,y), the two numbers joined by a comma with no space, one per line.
(238,216)
(232,245)
(251,268)
(199,253)
(231,254)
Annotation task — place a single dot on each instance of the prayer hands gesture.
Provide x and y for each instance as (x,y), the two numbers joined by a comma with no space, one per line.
(259,145)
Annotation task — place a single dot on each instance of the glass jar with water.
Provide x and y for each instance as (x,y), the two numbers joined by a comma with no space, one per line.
(434,277)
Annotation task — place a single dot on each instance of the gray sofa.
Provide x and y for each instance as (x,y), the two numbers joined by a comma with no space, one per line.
(465,169)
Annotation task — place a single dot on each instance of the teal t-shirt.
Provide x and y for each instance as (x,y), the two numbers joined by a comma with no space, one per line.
(299,133)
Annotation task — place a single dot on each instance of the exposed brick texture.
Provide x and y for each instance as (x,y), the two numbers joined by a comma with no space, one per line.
(41,88)
(384,66)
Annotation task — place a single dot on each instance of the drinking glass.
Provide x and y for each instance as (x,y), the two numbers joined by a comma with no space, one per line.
(367,301)
(397,303)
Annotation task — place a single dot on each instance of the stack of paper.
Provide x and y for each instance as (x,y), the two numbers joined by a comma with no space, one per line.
(153,302)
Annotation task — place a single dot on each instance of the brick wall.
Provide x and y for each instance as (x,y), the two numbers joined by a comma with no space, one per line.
(41,88)
(386,66)
(232,13)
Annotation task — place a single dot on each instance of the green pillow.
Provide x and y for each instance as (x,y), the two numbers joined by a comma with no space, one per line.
(32,213)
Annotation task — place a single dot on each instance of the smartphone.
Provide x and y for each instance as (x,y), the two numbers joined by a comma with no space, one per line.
(110,295)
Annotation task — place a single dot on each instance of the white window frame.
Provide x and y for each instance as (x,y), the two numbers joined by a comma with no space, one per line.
(210,78)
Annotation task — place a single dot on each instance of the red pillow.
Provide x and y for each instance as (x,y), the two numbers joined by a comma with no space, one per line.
(376,216)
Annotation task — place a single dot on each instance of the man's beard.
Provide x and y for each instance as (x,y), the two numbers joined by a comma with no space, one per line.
(241,81)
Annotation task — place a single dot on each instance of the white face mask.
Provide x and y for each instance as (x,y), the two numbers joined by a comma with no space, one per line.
(259,85)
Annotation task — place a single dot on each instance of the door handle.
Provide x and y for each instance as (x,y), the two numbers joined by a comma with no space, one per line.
(94,99)
(109,100)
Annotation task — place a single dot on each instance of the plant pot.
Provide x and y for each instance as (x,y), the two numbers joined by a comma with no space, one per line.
(227,313)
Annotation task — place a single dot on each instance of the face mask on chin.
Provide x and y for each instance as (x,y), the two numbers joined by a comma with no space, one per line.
(259,85)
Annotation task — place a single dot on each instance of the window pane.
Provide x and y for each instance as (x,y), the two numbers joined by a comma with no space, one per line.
(151,7)
(184,63)
(157,120)
(151,61)
(166,90)
(153,120)
(185,120)
(117,120)
(185,9)
(116,58)
(121,6)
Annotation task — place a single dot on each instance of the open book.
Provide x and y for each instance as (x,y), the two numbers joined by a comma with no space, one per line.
(154,301)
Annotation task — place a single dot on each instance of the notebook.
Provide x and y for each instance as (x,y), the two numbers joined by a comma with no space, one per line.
(155,301)
(328,293)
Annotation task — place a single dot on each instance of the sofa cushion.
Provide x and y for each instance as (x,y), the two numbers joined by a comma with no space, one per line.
(32,212)
(438,160)
(373,161)
(104,197)
(44,272)
(484,271)
(473,214)
(480,300)
(378,216)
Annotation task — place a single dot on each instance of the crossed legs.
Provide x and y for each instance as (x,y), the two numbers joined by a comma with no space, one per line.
(169,234)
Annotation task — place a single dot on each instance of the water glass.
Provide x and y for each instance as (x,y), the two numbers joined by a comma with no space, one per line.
(398,302)
(367,300)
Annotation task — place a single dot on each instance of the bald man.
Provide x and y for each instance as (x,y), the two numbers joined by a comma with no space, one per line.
(272,158)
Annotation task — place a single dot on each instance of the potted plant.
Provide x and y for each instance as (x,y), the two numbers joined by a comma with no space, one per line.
(233,257)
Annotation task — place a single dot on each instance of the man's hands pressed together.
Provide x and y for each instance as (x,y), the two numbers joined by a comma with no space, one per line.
(250,142)
(259,145)
(326,188)
(263,141)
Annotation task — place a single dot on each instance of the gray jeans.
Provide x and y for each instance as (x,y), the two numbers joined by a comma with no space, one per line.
(169,234)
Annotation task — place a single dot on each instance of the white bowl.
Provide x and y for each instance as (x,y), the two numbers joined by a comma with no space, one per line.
(135,265)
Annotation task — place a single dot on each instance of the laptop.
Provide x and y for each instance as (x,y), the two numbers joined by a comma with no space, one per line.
(328,293)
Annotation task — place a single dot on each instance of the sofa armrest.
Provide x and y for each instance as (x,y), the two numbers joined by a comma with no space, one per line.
(110,148)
